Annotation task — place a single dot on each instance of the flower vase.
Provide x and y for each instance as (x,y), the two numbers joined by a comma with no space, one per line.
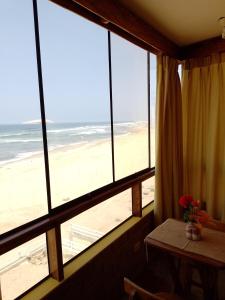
(193,231)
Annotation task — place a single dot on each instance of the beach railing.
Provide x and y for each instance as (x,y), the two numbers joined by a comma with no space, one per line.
(21,257)
(85,233)
(72,247)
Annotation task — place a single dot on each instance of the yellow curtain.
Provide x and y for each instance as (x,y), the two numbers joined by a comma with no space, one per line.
(168,176)
(203,93)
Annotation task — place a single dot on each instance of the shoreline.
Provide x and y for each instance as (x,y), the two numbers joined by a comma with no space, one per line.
(75,170)
(63,148)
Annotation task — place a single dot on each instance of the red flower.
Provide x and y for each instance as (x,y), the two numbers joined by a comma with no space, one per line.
(185,201)
(195,203)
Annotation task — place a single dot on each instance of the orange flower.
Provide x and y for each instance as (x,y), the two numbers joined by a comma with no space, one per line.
(202,217)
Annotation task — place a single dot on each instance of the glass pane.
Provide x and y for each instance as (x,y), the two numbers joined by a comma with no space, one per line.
(86,228)
(148,191)
(152,106)
(23,267)
(130,107)
(76,86)
(22,175)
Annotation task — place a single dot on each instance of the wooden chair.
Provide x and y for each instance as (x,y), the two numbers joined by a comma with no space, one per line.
(135,292)
(216,225)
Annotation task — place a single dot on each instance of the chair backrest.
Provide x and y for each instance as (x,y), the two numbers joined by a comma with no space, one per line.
(135,292)
(216,225)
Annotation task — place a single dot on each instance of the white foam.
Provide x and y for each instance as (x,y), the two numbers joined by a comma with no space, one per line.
(12,134)
(20,156)
(64,129)
(19,141)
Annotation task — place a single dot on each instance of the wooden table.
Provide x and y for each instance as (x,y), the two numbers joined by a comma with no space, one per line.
(208,254)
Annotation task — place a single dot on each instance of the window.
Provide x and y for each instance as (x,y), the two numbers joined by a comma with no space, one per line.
(23,267)
(148,191)
(96,104)
(22,174)
(89,226)
(152,106)
(76,75)
(130,107)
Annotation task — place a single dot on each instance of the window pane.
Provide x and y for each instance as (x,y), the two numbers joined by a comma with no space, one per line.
(76,86)
(86,228)
(130,107)
(23,267)
(22,176)
(148,191)
(152,105)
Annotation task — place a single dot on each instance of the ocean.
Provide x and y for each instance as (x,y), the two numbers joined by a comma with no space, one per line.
(19,141)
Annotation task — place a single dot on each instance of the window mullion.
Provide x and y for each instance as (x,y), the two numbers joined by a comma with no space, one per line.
(42,104)
(111,105)
(149,109)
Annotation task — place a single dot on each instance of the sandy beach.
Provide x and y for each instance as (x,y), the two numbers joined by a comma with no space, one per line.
(74,171)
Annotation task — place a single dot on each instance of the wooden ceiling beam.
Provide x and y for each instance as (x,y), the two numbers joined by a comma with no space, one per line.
(118,19)
(204,48)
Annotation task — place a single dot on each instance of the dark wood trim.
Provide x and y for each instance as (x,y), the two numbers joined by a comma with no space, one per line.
(54,247)
(137,199)
(204,48)
(118,19)
(22,234)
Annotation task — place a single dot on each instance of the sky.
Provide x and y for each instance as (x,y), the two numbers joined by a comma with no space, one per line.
(74,55)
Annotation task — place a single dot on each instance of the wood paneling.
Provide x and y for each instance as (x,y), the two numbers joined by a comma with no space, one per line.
(102,277)
(117,18)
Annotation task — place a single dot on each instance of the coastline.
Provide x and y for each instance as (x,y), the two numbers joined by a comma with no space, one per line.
(74,170)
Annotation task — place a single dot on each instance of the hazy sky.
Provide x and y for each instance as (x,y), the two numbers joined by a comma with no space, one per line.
(75,68)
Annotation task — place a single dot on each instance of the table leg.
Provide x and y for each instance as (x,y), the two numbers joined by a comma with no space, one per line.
(209,282)
(186,278)
(174,265)
(146,253)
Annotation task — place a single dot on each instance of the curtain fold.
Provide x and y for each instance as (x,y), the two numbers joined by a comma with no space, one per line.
(203,107)
(168,168)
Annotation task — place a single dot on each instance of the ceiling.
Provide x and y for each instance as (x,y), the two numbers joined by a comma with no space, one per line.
(182,21)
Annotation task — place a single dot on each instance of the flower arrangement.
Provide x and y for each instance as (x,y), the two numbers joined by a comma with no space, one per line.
(194,216)
(192,211)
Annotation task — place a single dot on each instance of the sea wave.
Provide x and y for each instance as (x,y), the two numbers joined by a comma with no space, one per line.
(20,156)
(13,134)
(93,131)
(19,141)
(64,130)
(86,128)
(131,124)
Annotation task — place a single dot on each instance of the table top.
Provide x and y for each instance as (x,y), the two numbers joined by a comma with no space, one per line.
(170,237)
